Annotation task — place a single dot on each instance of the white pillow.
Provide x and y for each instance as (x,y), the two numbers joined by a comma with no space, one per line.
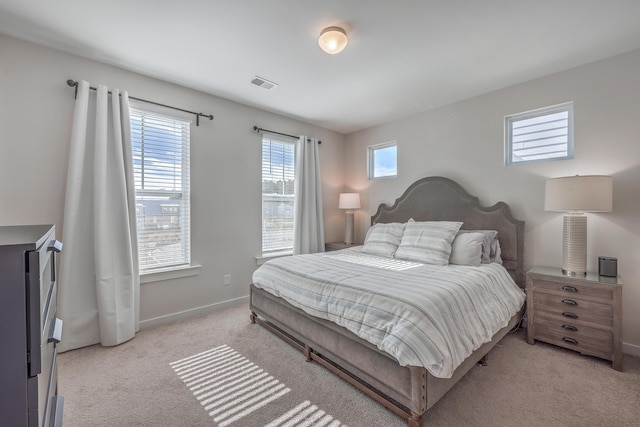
(428,242)
(383,239)
(466,249)
(490,245)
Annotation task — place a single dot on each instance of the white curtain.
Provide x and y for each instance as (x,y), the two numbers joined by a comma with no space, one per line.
(308,219)
(99,285)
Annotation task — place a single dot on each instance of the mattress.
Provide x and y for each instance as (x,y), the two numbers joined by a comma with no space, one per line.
(420,314)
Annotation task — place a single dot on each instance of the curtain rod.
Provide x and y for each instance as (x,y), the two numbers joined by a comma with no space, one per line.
(73,83)
(257,129)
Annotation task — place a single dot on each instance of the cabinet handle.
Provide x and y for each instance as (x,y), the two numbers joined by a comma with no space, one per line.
(570,328)
(569,340)
(55,333)
(55,246)
(58,407)
(570,314)
(569,301)
(569,288)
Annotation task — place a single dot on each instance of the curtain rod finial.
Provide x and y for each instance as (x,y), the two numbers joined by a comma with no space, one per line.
(72,83)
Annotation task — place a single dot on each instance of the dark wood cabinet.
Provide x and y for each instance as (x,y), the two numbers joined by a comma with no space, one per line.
(29,328)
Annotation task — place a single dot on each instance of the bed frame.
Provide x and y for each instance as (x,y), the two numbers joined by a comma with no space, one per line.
(408,391)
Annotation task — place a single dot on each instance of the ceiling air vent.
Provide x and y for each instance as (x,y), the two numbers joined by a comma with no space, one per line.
(263,83)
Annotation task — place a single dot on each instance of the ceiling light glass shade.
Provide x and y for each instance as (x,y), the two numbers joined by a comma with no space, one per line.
(332,40)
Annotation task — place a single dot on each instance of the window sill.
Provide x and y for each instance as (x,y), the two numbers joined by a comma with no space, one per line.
(264,258)
(168,274)
(374,178)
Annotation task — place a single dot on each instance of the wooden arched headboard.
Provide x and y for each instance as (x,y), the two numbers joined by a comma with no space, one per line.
(437,198)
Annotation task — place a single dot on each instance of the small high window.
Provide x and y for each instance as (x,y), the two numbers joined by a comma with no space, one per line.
(544,134)
(383,160)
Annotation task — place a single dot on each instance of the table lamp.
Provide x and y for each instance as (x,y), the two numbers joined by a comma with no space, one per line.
(349,201)
(576,195)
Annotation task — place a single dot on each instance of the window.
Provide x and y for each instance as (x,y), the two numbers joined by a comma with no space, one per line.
(544,134)
(161,169)
(383,160)
(278,195)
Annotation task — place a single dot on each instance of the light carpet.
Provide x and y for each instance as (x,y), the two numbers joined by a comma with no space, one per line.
(220,370)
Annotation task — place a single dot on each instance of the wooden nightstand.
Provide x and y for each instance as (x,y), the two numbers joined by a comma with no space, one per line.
(579,313)
(335,246)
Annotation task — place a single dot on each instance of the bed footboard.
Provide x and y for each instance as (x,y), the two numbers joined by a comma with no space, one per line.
(407,391)
(401,389)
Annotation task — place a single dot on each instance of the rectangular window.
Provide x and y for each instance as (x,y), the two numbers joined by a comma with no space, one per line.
(383,160)
(161,169)
(544,134)
(278,195)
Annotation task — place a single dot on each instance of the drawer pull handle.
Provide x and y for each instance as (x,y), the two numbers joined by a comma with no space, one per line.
(569,301)
(58,407)
(569,288)
(55,332)
(570,328)
(55,246)
(569,340)
(570,314)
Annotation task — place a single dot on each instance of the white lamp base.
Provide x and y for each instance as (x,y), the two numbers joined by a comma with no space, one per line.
(574,244)
(348,228)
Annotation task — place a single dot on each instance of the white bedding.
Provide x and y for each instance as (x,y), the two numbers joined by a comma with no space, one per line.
(422,315)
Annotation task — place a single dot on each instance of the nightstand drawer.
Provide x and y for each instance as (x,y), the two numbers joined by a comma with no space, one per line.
(573,308)
(586,340)
(575,289)
(573,330)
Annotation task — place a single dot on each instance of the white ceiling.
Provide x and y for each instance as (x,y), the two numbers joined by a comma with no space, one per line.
(403,56)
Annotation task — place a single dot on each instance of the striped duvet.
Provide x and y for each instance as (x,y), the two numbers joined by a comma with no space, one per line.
(422,315)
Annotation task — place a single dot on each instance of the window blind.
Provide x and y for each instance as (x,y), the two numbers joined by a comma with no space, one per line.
(542,135)
(160,146)
(278,195)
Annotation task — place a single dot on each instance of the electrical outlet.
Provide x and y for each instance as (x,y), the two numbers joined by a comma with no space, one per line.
(227,279)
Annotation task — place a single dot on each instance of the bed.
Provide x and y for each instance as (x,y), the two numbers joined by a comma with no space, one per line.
(407,390)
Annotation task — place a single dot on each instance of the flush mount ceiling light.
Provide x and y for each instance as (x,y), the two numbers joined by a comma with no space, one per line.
(332,40)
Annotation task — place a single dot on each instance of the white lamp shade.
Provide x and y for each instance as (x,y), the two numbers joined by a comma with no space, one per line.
(589,193)
(349,201)
(332,40)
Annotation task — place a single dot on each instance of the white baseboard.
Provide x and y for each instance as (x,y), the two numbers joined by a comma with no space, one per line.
(631,349)
(174,317)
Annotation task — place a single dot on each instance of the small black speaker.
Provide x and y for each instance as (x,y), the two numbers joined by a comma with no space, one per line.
(608,266)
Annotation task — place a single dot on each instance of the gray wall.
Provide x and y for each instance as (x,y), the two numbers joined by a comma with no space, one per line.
(465,142)
(36,112)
